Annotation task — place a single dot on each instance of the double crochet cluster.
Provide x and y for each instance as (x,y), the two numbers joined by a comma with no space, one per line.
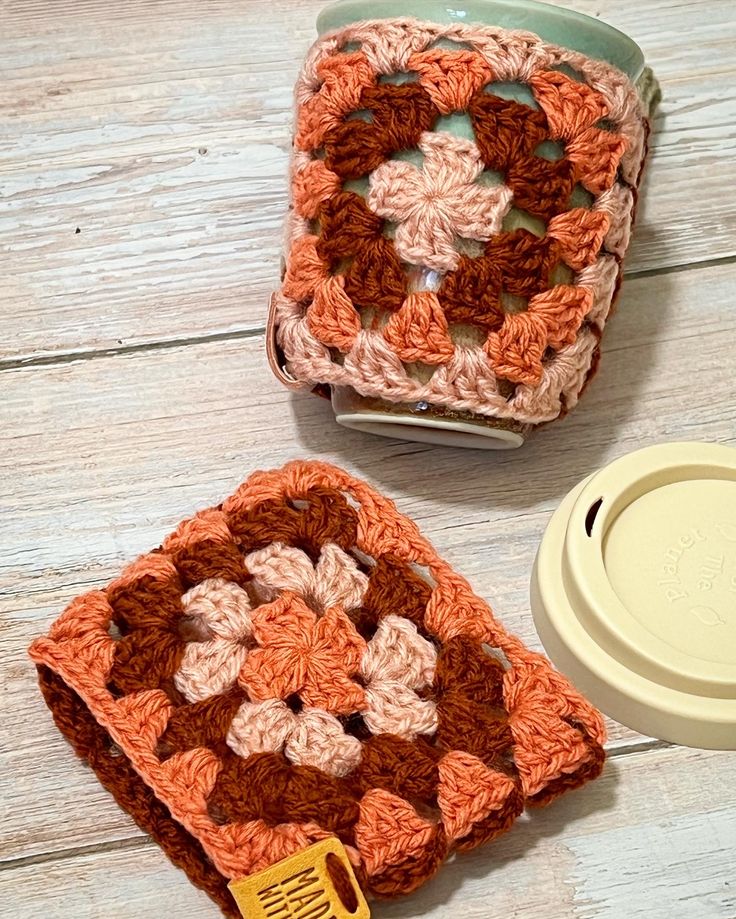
(298,662)
(473,274)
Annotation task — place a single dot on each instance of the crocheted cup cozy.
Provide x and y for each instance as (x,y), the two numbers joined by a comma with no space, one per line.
(297,663)
(449,246)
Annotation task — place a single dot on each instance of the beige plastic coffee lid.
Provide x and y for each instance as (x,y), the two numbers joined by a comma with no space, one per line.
(634,592)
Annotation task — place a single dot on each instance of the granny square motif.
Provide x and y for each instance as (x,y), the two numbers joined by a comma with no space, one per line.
(462,198)
(297,663)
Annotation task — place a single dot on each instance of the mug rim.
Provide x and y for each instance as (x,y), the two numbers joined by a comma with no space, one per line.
(556,25)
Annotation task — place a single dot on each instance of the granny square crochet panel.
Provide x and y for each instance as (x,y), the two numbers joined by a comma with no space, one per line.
(474,272)
(297,663)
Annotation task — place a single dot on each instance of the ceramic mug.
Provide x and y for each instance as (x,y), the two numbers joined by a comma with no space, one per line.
(419,343)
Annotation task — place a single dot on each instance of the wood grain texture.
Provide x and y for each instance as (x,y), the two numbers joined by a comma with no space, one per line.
(107,454)
(134,390)
(144,151)
(630,846)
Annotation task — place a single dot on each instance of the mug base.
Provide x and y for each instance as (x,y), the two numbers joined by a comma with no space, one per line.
(437,432)
(424,423)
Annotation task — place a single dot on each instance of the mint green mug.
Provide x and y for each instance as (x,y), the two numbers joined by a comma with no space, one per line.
(421,400)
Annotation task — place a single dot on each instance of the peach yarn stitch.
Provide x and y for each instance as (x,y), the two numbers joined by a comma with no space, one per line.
(439,202)
(384,279)
(298,662)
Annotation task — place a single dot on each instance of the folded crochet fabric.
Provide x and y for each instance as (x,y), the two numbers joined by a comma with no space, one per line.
(299,663)
(448,243)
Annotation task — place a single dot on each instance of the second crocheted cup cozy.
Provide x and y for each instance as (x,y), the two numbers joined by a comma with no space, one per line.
(297,663)
(450,246)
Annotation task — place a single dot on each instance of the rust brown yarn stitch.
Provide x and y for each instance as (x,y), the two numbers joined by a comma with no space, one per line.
(93,744)
(296,663)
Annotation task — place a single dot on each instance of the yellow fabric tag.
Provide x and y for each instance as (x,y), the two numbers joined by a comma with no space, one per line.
(300,887)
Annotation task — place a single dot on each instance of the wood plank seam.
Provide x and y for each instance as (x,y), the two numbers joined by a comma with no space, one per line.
(164,344)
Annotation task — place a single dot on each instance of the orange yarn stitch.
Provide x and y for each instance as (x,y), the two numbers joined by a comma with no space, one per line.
(312,186)
(297,663)
(299,653)
(343,80)
(450,78)
(305,270)
(331,316)
(418,331)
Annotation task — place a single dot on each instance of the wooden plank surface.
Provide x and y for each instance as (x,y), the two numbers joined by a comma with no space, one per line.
(134,390)
(630,846)
(144,152)
(107,454)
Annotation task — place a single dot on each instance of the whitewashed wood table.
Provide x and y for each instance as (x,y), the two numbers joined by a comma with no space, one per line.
(142,185)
